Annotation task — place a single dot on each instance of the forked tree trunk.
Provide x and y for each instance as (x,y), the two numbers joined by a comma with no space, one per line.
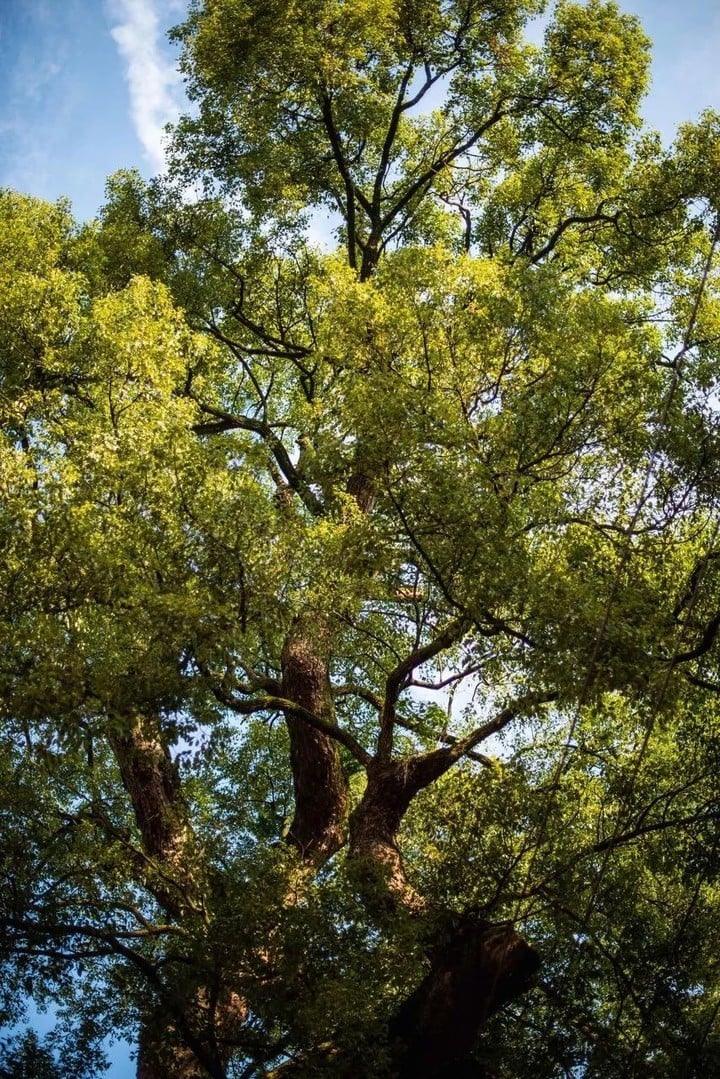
(195,1048)
(374,854)
(475,968)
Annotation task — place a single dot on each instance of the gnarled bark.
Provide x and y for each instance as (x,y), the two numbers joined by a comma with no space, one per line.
(321,793)
(473,973)
(151,778)
(375,823)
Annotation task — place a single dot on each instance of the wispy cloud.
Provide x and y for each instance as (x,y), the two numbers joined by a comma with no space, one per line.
(156,96)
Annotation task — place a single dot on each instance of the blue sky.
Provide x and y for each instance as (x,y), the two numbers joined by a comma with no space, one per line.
(87,85)
(85,88)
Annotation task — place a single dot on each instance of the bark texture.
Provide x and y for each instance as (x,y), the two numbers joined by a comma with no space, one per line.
(151,778)
(374,849)
(196,1046)
(318,828)
(473,973)
(375,823)
(162,1057)
(183,1039)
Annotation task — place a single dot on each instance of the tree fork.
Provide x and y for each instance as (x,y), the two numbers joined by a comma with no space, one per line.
(475,966)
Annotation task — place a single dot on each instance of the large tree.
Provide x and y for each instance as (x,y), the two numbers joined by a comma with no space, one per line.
(359,645)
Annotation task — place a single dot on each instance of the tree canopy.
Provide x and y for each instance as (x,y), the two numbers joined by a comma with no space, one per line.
(360,637)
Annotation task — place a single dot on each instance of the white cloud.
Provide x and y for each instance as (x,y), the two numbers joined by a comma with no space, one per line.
(155,88)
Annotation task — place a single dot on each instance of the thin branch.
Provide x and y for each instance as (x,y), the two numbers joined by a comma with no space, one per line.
(397,112)
(451,678)
(397,680)
(352,193)
(351,690)
(646,829)
(521,706)
(228,421)
(704,644)
(568,222)
(441,162)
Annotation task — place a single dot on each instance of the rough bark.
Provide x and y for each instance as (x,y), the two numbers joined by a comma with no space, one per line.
(199,1049)
(318,828)
(374,849)
(477,969)
(182,1041)
(151,779)
(375,823)
(161,1056)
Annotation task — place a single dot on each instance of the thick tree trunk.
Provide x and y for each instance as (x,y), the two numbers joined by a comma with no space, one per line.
(474,971)
(374,852)
(321,794)
(161,1056)
(199,1049)
(153,783)
(475,967)
(185,1042)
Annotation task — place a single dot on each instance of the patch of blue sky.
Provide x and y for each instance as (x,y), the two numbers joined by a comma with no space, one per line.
(86,86)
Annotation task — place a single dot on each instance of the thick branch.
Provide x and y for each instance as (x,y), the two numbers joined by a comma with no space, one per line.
(704,644)
(477,969)
(291,708)
(391,787)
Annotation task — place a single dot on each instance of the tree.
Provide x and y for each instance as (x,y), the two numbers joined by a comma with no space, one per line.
(359,649)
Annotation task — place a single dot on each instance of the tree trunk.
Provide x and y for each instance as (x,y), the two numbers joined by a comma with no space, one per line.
(162,1056)
(321,794)
(177,1043)
(151,778)
(374,852)
(475,968)
(474,971)
(197,1050)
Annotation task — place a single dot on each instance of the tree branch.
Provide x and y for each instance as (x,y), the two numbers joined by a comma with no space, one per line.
(427,767)
(281,704)
(228,421)
(397,679)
